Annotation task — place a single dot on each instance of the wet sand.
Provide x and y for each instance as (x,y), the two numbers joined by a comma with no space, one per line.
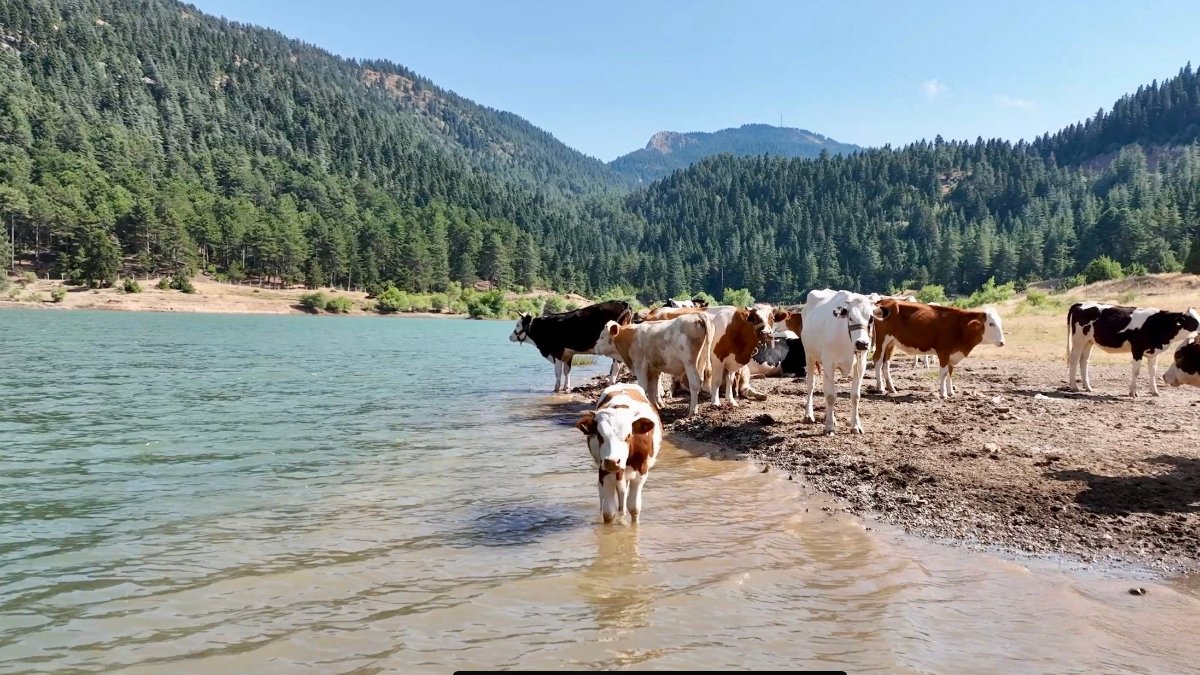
(1014,462)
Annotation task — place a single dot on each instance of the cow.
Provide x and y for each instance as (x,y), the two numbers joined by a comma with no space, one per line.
(836,336)
(947,332)
(624,434)
(739,332)
(560,336)
(679,347)
(1139,331)
(918,360)
(693,303)
(1186,369)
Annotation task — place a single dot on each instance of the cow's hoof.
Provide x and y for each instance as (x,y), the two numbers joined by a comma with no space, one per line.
(830,432)
(1155,393)
(857,429)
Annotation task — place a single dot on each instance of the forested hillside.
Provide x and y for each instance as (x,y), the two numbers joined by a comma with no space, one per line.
(668,151)
(149,137)
(204,143)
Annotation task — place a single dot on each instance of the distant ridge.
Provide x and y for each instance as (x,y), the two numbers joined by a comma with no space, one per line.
(668,151)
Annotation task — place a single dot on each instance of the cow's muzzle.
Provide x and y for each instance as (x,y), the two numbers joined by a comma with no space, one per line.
(860,345)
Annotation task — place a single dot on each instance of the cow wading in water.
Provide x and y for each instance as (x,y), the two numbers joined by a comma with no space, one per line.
(624,435)
(559,337)
(1139,331)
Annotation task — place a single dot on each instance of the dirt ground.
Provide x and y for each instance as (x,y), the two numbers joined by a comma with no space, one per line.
(1014,462)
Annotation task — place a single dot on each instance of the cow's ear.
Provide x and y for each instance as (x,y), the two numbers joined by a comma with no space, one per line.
(587,423)
(840,312)
(643,425)
(780,315)
(614,329)
(882,313)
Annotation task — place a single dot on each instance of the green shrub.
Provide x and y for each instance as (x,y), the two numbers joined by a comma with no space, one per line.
(989,293)
(391,300)
(1136,269)
(181,282)
(533,306)
(555,304)
(339,305)
(583,360)
(164,284)
(621,293)
(931,293)
(314,302)
(738,298)
(131,285)
(4,283)
(439,302)
(58,294)
(488,305)
(1128,297)
(1041,302)
(27,278)
(1102,269)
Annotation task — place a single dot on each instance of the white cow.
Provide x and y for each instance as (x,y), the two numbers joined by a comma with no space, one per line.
(679,347)
(624,434)
(836,336)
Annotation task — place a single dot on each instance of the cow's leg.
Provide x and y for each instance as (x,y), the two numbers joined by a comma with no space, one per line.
(1085,358)
(1137,367)
(943,375)
(614,373)
(730,376)
(856,378)
(608,495)
(567,373)
(718,381)
(558,366)
(810,375)
(1152,362)
(950,380)
(1073,353)
(887,368)
(633,503)
(622,490)
(747,391)
(829,375)
(881,363)
(692,376)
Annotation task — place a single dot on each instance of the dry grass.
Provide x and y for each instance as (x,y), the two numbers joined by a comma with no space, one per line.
(1040,333)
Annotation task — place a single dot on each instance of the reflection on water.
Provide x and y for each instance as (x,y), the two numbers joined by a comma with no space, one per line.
(271,494)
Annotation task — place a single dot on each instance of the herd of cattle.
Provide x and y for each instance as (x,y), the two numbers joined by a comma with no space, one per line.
(719,349)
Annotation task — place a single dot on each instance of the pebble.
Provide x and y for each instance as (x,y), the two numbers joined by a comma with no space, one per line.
(991,447)
(1137,591)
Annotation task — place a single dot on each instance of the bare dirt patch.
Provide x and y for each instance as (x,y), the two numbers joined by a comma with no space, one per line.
(1013,462)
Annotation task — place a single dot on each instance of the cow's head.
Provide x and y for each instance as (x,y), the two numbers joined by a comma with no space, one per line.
(857,311)
(610,433)
(521,330)
(604,343)
(993,330)
(1188,322)
(699,302)
(1186,368)
(762,318)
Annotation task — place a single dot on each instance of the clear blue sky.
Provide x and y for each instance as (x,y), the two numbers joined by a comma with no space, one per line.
(604,76)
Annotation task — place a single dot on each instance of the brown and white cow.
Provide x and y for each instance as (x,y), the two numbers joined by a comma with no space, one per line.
(679,347)
(739,331)
(624,434)
(1186,368)
(919,329)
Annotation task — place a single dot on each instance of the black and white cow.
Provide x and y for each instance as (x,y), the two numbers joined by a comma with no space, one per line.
(1139,331)
(1186,369)
(694,302)
(561,336)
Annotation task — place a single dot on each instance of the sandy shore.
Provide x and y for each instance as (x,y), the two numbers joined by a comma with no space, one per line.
(1014,462)
(210,297)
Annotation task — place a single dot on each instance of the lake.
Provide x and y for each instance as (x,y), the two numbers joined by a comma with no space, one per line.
(277,494)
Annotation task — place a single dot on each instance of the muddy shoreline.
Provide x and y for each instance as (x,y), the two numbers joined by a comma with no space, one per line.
(1014,463)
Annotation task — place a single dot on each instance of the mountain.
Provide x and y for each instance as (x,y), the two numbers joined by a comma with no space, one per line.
(148,137)
(668,151)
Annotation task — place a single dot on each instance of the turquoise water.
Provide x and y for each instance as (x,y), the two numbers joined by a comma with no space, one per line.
(208,493)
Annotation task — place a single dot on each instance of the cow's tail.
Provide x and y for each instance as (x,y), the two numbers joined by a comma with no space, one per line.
(704,357)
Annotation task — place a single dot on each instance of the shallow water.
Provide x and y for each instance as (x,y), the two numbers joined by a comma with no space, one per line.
(209,493)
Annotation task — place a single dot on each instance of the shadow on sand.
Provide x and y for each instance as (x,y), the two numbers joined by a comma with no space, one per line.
(1177,491)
